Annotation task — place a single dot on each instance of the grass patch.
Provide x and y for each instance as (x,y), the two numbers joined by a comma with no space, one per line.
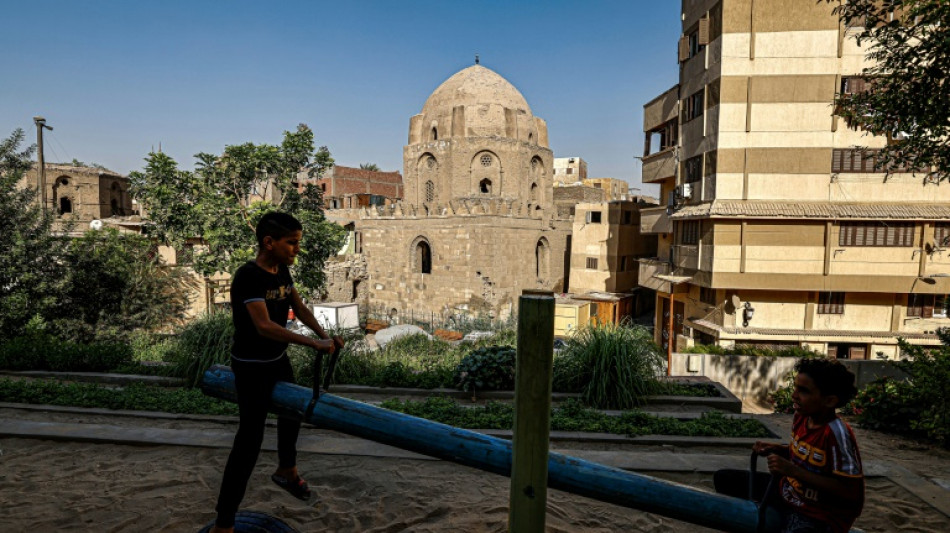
(135,397)
(573,416)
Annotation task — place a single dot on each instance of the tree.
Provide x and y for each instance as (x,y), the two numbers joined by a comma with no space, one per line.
(115,285)
(225,196)
(31,273)
(369,166)
(907,96)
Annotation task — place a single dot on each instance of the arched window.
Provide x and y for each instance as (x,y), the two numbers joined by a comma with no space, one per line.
(542,258)
(421,256)
(114,204)
(533,196)
(435,134)
(484,186)
(430,191)
(65,206)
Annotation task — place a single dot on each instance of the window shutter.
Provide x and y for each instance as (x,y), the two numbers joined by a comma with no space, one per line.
(857,352)
(704,30)
(683,49)
(832,351)
(837,157)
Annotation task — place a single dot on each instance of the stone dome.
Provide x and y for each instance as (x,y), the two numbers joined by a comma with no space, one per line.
(475,85)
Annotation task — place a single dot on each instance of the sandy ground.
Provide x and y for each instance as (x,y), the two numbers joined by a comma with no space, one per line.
(51,486)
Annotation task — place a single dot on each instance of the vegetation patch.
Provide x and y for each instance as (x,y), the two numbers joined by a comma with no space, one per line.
(134,397)
(744,349)
(573,416)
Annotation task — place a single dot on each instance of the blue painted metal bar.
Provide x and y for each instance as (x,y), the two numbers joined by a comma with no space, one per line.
(491,454)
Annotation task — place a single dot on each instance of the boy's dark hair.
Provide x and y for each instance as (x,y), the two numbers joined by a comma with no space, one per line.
(830,376)
(276,225)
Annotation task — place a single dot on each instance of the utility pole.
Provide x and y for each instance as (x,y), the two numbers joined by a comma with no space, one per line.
(41,174)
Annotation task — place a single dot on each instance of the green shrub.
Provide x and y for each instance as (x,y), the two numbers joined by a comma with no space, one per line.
(781,398)
(201,344)
(745,349)
(574,416)
(136,397)
(919,406)
(488,368)
(40,351)
(613,366)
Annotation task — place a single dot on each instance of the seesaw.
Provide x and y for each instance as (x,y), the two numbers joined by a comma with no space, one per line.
(492,454)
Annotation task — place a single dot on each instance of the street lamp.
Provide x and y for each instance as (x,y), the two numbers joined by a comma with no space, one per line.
(41,175)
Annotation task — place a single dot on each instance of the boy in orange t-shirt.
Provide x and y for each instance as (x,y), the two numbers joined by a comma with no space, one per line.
(821,485)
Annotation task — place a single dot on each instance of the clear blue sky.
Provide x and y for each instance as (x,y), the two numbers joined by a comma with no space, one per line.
(116,78)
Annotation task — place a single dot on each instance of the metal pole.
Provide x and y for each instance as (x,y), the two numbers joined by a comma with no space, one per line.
(41,162)
(669,338)
(533,370)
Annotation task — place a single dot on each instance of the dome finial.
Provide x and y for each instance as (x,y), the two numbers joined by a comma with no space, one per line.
(476,59)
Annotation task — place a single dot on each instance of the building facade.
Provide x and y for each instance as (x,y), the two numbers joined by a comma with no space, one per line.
(82,194)
(477,224)
(777,228)
(613,188)
(569,170)
(352,188)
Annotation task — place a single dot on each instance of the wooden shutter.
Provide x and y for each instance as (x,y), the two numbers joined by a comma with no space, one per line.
(914,307)
(703,36)
(833,351)
(684,48)
(839,303)
(927,310)
(857,352)
(837,159)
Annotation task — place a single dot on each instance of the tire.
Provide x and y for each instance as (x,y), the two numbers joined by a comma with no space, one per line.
(255,522)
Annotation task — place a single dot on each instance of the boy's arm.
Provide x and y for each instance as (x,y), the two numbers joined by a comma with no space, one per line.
(271,330)
(303,313)
(846,488)
(769,448)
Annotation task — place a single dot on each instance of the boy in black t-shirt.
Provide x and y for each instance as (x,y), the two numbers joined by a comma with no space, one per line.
(262,292)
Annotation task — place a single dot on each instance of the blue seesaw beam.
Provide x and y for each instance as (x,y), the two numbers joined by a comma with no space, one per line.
(492,454)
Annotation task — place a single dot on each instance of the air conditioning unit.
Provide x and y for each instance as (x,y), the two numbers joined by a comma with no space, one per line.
(685,190)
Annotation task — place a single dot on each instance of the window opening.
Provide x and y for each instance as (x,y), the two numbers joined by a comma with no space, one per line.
(591,263)
(486,160)
(423,258)
(830,303)
(594,217)
(430,191)
(485,186)
(65,206)
(893,234)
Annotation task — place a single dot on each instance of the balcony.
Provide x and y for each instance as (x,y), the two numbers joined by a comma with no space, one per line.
(655,221)
(661,109)
(659,166)
(649,268)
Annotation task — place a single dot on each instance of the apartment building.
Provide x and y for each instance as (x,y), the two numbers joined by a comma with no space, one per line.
(776,229)
(614,189)
(568,170)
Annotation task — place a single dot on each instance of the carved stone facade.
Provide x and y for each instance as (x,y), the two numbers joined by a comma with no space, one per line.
(478,222)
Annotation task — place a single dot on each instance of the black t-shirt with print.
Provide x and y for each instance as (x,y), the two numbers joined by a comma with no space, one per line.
(251,283)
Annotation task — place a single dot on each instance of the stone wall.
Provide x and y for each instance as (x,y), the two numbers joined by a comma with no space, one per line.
(479,263)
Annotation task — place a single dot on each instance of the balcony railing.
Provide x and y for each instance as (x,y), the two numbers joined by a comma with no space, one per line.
(659,166)
(661,109)
(655,221)
(650,268)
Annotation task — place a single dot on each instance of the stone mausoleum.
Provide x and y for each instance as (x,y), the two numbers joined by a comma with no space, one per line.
(477,223)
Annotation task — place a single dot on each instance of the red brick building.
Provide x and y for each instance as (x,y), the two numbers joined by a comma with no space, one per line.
(348,188)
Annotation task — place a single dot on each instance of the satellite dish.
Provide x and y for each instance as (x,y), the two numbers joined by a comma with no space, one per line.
(96,225)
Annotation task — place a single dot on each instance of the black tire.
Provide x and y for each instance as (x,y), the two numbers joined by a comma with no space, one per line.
(255,522)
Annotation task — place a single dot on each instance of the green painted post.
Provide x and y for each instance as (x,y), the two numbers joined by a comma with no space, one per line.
(529,464)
